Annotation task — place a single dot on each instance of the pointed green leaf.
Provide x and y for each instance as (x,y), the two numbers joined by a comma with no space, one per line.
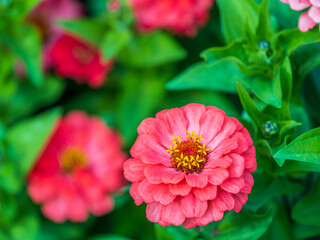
(305,148)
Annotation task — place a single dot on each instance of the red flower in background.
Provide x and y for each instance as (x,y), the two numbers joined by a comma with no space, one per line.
(45,15)
(78,169)
(190,165)
(182,17)
(76,59)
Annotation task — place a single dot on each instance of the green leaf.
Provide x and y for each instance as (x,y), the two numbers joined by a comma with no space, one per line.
(305,148)
(141,95)
(174,233)
(27,139)
(215,54)
(90,30)
(264,31)
(305,232)
(265,188)
(113,42)
(152,50)
(244,225)
(26,46)
(243,12)
(292,39)
(26,98)
(307,211)
(27,227)
(108,237)
(254,113)
(221,76)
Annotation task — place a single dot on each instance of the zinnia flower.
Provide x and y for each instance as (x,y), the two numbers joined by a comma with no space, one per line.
(309,18)
(45,15)
(78,169)
(190,165)
(76,59)
(182,17)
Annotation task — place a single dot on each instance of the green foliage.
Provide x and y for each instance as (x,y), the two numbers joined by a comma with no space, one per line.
(244,225)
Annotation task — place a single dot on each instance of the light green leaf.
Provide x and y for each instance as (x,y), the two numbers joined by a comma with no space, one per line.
(243,12)
(90,30)
(292,39)
(305,148)
(108,237)
(221,76)
(26,139)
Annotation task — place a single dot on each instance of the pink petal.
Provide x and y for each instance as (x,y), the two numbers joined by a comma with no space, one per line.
(162,194)
(207,193)
(190,223)
(216,176)
(193,113)
(133,170)
(250,158)
(314,13)
(153,211)
(233,185)
(237,167)
(212,214)
(192,206)
(315,3)
(224,147)
(102,205)
(77,210)
(181,188)
(208,119)
(240,199)
(172,176)
(299,5)
(197,180)
(175,121)
(306,22)
(134,193)
(223,162)
(227,130)
(157,129)
(241,142)
(172,213)
(145,190)
(248,179)
(224,201)
(55,210)
(41,190)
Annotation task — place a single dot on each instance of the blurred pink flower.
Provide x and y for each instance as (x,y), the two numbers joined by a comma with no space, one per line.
(78,169)
(76,59)
(45,15)
(309,18)
(190,165)
(182,17)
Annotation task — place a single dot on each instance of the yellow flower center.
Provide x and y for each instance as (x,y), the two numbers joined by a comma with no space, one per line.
(189,156)
(72,159)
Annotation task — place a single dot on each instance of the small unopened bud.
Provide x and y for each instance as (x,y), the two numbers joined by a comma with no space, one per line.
(269,129)
(264,45)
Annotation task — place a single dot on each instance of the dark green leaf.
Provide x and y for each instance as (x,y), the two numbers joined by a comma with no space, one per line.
(307,211)
(108,237)
(255,114)
(174,233)
(244,225)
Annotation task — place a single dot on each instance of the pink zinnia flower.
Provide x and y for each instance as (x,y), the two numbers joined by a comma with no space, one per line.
(183,17)
(190,165)
(309,18)
(45,15)
(78,169)
(76,59)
